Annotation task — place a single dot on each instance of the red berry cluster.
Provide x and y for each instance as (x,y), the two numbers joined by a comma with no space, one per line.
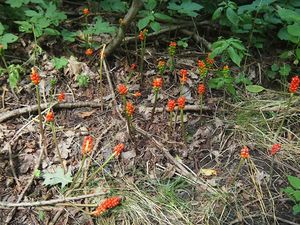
(295,82)
(181,102)
(50,116)
(245,153)
(107,204)
(157,83)
(61,97)
(87,145)
(35,77)
(201,89)
(122,89)
(275,148)
(129,109)
(118,149)
(183,76)
(171,105)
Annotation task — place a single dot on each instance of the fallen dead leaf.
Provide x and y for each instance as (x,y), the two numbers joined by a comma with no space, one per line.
(208,172)
(84,115)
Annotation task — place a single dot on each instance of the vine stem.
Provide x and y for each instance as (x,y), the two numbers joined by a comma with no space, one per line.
(53,128)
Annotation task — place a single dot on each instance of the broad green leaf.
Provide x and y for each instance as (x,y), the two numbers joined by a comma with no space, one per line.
(294,29)
(298,53)
(232,16)
(101,27)
(59,63)
(114,6)
(163,17)
(296,195)
(150,5)
(17,3)
(51,31)
(289,191)
(1,28)
(217,13)
(155,26)
(7,39)
(274,67)
(286,54)
(294,182)
(218,50)
(238,45)
(234,56)
(13,78)
(68,35)
(58,177)
(142,23)
(254,88)
(296,209)
(186,7)
(288,15)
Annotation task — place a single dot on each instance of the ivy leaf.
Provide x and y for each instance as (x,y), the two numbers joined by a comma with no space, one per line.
(58,177)
(254,88)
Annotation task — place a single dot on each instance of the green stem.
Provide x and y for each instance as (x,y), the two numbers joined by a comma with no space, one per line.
(284,117)
(170,123)
(271,170)
(100,168)
(56,146)
(182,126)
(237,171)
(38,96)
(143,44)
(77,175)
(4,62)
(200,104)
(124,103)
(154,106)
(87,36)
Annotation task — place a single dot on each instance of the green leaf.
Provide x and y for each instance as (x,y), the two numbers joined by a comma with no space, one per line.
(68,35)
(296,195)
(151,4)
(296,209)
(288,15)
(58,177)
(1,28)
(51,31)
(298,53)
(155,26)
(59,63)
(285,70)
(294,182)
(217,13)
(13,76)
(232,16)
(234,56)
(17,3)
(142,23)
(163,17)
(186,7)
(289,191)
(294,29)
(286,54)
(254,88)
(7,38)
(99,27)
(274,67)
(113,6)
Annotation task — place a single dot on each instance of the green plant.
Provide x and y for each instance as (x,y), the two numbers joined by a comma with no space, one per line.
(14,74)
(59,63)
(6,38)
(223,80)
(185,7)
(231,48)
(57,177)
(83,80)
(293,191)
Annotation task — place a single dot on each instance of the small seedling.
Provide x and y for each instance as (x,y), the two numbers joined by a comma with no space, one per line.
(83,80)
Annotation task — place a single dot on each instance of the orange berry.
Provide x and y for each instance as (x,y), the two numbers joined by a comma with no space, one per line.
(183,74)
(133,66)
(118,149)
(50,116)
(245,153)
(89,52)
(275,148)
(201,89)
(35,77)
(107,204)
(157,83)
(122,89)
(61,97)
(137,94)
(171,105)
(294,85)
(181,102)
(86,11)
(209,61)
(87,145)
(129,108)
(172,44)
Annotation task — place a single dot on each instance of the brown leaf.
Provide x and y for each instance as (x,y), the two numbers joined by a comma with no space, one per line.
(84,115)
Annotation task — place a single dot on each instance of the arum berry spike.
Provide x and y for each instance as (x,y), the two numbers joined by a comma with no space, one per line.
(181,106)
(157,84)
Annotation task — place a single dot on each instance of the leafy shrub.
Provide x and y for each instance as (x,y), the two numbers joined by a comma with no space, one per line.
(293,191)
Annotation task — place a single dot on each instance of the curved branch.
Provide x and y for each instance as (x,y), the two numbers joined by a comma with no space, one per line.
(132,12)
